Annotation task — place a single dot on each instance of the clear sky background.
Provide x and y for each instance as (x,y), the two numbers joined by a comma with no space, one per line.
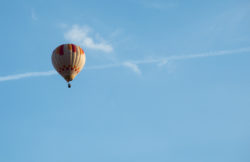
(164,81)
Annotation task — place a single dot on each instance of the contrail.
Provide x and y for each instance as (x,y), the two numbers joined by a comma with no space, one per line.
(26,75)
(135,62)
(194,56)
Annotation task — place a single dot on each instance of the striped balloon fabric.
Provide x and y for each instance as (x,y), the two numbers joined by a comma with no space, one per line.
(68,60)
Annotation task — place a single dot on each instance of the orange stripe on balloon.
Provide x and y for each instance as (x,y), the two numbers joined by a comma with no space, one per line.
(82,52)
(70,47)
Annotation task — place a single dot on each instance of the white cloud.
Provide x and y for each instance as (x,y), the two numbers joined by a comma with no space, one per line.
(80,35)
(132,66)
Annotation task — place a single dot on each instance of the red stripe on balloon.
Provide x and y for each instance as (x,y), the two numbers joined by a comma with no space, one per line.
(61,52)
(74,48)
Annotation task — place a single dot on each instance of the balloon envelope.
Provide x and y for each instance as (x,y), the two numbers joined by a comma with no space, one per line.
(68,60)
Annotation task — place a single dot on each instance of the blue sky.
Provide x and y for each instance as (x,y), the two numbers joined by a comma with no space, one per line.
(163,81)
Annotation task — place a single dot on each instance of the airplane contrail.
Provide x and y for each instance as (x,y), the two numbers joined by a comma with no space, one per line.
(26,75)
(135,62)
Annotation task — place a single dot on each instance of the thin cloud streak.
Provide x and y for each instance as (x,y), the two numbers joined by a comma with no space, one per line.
(194,56)
(133,67)
(27,75)
(99,67)
(133,64)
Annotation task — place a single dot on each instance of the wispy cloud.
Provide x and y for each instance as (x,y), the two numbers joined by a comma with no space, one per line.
(133,65)
(26,75)
(81,36)
(162,62)
(33,15)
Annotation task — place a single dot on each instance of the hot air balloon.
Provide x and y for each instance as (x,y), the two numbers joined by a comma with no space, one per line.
(68,60)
